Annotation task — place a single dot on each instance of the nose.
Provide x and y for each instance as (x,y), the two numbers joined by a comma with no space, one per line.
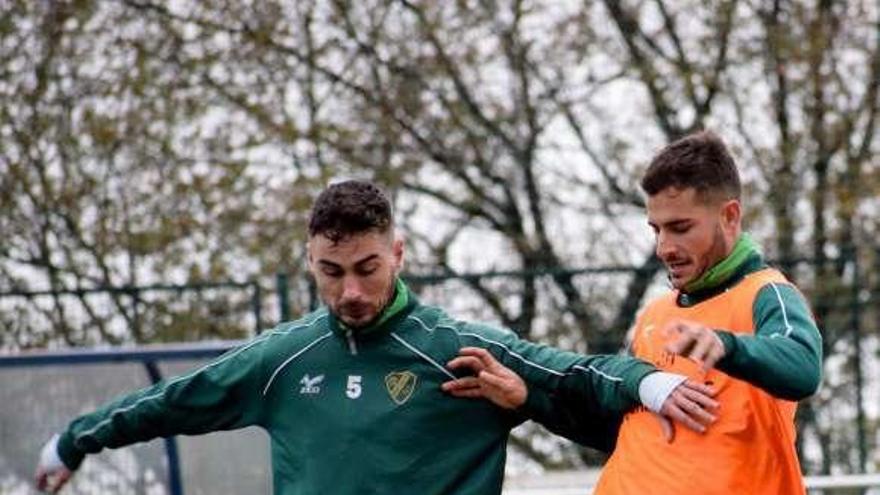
(352,289)
(665,247)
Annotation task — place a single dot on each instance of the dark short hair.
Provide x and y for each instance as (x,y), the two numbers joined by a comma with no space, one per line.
(348,208)
(699,160)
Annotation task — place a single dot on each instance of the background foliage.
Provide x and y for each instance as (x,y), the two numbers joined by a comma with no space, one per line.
(184,141)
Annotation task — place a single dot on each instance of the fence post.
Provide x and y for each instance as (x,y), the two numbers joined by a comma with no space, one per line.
(283,296)
(857,364)
(175,484)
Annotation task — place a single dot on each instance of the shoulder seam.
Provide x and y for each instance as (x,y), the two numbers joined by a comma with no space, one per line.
(493,342)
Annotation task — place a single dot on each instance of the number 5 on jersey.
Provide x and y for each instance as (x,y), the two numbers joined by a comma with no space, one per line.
(353,389)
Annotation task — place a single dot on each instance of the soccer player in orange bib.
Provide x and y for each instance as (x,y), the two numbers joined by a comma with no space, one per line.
(731,322)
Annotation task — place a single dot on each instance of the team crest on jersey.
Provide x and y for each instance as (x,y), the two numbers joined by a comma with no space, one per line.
(401,385)
(310,385)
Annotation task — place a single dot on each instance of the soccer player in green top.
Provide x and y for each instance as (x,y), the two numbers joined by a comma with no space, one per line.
(351,395)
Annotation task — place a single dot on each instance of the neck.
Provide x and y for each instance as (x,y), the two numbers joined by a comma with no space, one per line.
(721,271)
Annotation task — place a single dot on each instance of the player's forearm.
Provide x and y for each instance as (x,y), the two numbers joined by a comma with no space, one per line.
(565,416)
(784,356)
(217,396)
(607,382)
(784,368)
(117,423)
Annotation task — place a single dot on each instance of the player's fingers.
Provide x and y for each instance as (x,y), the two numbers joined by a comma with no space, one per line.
(703,400)
(699,387)
(702,347)
(715,354)
(486,358)
(470,362)
(41,479)
(509,392)
(513,388)
(693,410)
(461,384)
(681,344)
(60,480)
(675,413)
(673,328)
(494,381)
(468,393)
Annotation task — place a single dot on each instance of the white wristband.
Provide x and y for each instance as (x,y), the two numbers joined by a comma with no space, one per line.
(49,459)
(655,388)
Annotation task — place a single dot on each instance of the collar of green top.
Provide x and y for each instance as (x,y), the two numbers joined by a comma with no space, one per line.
(402,300)
(745,258)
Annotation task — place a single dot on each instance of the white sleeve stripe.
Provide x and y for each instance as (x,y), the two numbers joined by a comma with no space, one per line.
(100,425)
(590,369)
(598,372)
(119,410)
(291,358)
(423,356)
(514,354)
(788,327)
(492,342)
(262,337)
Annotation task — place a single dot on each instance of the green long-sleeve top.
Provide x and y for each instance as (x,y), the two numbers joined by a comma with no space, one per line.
(358,411)
(782,357)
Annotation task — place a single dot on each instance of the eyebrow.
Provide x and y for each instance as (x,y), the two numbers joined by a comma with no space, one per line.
(357,263)
(367,259)
(671,223)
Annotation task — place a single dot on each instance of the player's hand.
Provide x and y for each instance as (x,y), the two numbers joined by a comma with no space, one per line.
(694,341)
(51,473)
(691,405)
(492,380)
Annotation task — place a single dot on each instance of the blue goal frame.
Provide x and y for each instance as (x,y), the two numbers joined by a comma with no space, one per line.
(147,355)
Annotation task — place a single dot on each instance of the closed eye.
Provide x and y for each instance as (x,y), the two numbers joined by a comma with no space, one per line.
(367,270)
(331,269)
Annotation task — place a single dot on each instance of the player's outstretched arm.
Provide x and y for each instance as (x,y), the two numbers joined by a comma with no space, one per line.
(222,395)
(675,399)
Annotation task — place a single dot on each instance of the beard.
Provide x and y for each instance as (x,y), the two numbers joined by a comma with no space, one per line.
(717,251)
(701,262)
(363,313)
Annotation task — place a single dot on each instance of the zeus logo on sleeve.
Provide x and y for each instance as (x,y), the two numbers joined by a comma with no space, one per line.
(310,386)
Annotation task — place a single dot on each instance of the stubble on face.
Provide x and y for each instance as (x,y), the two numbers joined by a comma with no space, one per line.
(355,275)
(690,237)
(717,251)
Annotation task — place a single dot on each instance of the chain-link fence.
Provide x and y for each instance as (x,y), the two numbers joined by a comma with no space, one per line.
(838,426)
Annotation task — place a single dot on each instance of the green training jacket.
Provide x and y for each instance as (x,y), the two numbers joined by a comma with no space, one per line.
(783,357)
(360,411)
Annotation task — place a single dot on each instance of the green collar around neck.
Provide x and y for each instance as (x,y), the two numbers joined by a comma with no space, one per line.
(721,272)
(399,301)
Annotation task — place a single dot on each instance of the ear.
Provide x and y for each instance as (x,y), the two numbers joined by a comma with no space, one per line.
(397,250)
(731,216)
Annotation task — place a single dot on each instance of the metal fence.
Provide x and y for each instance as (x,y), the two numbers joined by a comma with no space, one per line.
(21,444)
(838,427)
